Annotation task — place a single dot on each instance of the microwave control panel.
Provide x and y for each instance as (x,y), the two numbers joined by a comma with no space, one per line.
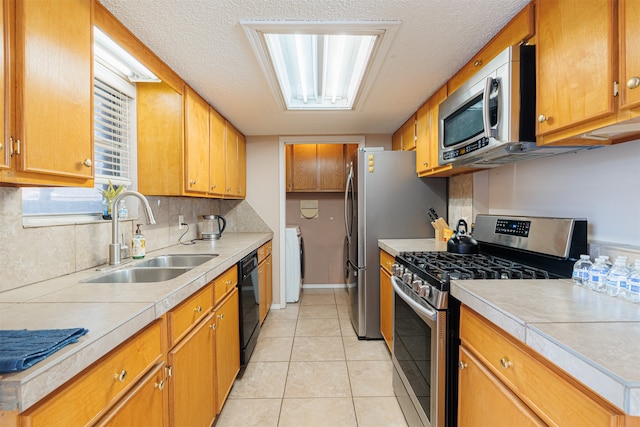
(513,227)
(469,148)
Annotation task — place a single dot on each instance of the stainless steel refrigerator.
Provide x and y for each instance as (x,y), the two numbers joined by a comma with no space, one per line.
(384,199)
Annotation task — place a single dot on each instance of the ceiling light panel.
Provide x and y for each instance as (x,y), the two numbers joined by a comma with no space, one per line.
(318,66)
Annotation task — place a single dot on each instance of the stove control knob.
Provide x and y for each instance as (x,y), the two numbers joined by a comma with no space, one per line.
(425,291)
(396,270)
(416,285)
(407,278)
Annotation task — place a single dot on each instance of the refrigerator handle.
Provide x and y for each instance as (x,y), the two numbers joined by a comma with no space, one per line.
(347,214)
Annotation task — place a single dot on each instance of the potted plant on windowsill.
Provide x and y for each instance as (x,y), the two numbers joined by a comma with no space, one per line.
(109,196)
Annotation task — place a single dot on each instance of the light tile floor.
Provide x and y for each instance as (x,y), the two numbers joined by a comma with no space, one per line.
(310,370)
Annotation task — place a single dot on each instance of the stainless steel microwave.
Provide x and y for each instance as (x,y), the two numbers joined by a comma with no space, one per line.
(491,118)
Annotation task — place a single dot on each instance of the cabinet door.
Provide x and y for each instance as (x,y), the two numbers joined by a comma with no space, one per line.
(434,123)
(231,174)
(269,285)
(422,139)
(304,174)
(629,36)
(481,396)
(227,346)
(192,382)
(396,140)
(386,307)
(5,93)
(54,89)
(218,142)
(262,290)
(196,117)
(160,139)
(146,404)
(409,134)
(330,166)
(242,166)
(575,62)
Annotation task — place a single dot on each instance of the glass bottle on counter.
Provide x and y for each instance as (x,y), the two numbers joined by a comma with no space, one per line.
(598,274)
(616,280)
(581,271)
(633,283)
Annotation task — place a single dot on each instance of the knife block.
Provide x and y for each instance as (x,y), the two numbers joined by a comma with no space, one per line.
(440,225)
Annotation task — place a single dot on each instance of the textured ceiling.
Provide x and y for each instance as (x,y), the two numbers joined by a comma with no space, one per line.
(203,41)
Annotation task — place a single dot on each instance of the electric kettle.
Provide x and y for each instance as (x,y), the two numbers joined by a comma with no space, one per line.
(212,226)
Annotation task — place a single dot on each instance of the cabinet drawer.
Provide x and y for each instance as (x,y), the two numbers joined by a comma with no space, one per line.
(225,283)
(189,313)
(386,261)
(554,395)
(95,389)
(264,251)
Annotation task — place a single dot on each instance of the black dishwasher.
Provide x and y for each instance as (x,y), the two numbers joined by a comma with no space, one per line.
(249,305)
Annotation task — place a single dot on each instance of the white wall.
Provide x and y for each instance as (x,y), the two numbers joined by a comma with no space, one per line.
(601,185)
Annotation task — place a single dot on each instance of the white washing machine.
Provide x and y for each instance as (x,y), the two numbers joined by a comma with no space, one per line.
(294,263)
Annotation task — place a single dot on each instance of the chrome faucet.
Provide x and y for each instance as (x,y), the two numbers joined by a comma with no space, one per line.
(114,247)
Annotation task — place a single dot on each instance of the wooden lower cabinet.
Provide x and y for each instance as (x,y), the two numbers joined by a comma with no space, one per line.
(145,405)
(227,346)
(192,380)
(484,399)
(101,385)
(386,298)
(265,286)
(550,393)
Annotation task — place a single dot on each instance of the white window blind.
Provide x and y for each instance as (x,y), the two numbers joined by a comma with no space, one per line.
(111,140)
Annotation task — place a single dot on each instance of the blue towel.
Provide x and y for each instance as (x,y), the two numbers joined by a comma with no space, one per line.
(21,349)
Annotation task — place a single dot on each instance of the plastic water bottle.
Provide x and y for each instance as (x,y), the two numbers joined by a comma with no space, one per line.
(633,283)
(581,271)
(598,274)
(617,278)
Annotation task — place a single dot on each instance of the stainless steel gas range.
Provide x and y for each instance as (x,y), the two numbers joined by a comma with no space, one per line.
(426,317)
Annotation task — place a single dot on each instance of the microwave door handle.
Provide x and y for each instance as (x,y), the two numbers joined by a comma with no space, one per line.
(486,98)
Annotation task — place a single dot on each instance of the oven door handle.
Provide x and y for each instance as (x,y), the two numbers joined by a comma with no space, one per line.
(427,312)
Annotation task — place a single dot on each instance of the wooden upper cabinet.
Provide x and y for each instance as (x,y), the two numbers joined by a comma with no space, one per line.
(519,29)
(217,140)
(304,176)
(575,56)
(427,135)
(405,137)
(196,117)
(629,38)
(330,166)
(231,160)
(5,92)
(316,167)
(242,166)
(53,135)
(160,139)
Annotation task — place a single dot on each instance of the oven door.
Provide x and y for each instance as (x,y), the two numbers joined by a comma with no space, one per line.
(419,357)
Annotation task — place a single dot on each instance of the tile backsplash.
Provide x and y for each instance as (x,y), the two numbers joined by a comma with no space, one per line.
(33,254)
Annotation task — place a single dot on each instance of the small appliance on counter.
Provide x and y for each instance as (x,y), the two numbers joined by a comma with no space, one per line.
(211,227)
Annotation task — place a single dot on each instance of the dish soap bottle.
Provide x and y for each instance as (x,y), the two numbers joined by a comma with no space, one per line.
(138,244)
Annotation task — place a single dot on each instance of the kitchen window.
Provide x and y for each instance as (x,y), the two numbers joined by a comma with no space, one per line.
(114,147)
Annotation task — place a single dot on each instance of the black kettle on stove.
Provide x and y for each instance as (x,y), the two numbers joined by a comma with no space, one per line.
(461,242)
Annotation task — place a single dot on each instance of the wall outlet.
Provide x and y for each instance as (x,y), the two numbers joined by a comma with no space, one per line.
(180,222)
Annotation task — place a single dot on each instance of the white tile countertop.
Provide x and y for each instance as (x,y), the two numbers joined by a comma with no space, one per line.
(111,312)
(592,336)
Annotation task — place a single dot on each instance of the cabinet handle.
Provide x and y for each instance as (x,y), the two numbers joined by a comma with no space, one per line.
(87,163)
(213,187)
(461,365)
(542,118)
(633,82)
(477,63)
(192,182)
(121,376)
(1,146)
(220,316)
(159,385)
(198,309)
(505,363)
(212,326)
(16,150)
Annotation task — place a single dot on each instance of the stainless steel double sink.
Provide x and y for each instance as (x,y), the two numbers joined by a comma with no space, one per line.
(158,269)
